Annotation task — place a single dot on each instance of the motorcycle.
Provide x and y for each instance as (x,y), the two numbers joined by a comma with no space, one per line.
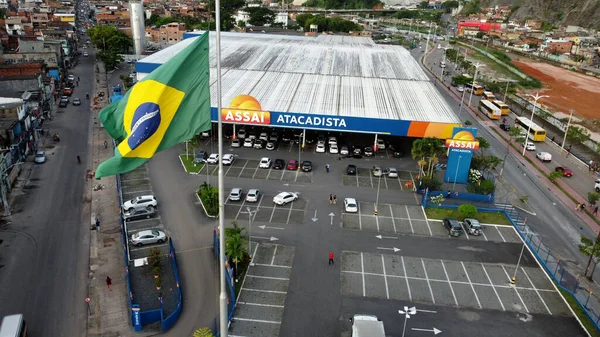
(56,137)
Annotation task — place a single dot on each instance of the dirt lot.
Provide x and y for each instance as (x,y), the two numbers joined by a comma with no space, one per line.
(567,89)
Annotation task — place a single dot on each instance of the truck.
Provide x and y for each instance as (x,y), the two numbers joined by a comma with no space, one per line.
(367,326)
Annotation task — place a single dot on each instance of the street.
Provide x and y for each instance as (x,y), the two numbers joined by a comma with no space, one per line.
(44,250)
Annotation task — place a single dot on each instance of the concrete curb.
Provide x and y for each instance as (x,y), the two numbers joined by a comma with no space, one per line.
(204,208)
(186,171)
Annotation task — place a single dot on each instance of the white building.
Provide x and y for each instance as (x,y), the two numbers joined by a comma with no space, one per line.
(282,17)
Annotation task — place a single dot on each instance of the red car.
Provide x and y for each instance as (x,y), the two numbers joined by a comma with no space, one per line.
(565,171)
(292,165)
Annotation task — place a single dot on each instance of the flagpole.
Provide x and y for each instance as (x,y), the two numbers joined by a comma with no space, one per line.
(223,296)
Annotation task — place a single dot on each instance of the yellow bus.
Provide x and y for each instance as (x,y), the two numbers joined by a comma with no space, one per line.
(489,96)
(489,109)
(476,88)
(536,133)
(502,106)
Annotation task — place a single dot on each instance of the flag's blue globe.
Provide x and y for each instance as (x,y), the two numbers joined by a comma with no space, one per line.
(145,122)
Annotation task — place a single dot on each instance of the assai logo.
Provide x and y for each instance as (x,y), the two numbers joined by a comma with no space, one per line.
(463,140)
(245,109)
(145,122)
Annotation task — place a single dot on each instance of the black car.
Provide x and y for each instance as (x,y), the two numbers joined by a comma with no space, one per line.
(368,151)
(505,127)
(200,157)
(351,170)
(260,144)
(278,164)
(357,153)
(62,104)
(306,166)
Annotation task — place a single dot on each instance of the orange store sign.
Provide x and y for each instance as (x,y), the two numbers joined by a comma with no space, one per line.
(245,109)
(463,140)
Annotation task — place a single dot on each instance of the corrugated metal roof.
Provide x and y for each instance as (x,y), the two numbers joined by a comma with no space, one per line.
(330,75)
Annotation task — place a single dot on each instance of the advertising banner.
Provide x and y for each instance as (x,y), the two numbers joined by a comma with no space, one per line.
(461,147)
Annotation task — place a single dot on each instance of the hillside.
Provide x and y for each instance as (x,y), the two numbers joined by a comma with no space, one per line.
(584,13)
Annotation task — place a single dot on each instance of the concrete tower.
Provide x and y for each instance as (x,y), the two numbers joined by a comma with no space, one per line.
(136,15)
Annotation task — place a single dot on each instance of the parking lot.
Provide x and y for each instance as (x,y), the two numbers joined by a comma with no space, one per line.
(266,211)
(404,219)
(364,178)
(454,283)
(134,184)
(248,168)
(260,305)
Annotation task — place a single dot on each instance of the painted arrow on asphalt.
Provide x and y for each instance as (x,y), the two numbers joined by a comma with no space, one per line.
(272,238)
(434,330)
(314,218)
(385,237)
(428,311)
(263,227)
(394,249)
(331,215)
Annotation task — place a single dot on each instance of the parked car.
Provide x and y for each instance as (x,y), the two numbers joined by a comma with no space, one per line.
(241,134)
(392,172)
(263,136)
(140,213)
(473,226)
(284,198)
(68,91)
(253,195)
(252,135)
(278,164)
(148,237)
(453,226)
(368,151)
(71,78)
(292,165)
(62,103)
(380,144)
(205,134)
(565,171)
(270,146)
(333,149)
(376,171)
(235,194)
(544,156)
(504,127)
(350,205)
(306,166)
(40,157)
(76,101)
(357,153)
(200,157)
(85,54)
(260,144)
(529,146)
(142,201)
(460,88)
(273,137)
(351,170)
(228,159)
(332,141)
(320,148)
(236,143)
(344,150)
(213,158)
(265,163)
(248,142)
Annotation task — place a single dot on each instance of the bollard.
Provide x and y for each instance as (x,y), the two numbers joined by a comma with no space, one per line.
(375,212)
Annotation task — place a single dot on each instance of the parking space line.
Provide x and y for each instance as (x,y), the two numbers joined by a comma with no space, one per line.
(502,236)
(266,291)
(428,283)
(268,174)
(409,220)
(536,291)
(449,283)
(393,221)
(359,220)
(282,173)
(494,288)
(274,252)
(516,291)
(377,222)
(362,271)
(272,212)
(269,277)
(228,168)
(257,207)
(271,265)
(464,227)
(471,283)
(262,305)
(255,170)
(137,192)
(239,210)
(290,213)
(243,168)
(371,178)
(485,237)
(406,278)
(387,290)
(255,320)
(385,182)
(297,170)
(129,222)
(159,227)
(356,175)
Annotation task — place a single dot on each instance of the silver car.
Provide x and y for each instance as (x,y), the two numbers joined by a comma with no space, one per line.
(148,237)
(253,195)
(40,157)
(140,202)
(235,194)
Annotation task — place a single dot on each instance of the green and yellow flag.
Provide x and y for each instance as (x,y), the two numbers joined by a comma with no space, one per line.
(167,107)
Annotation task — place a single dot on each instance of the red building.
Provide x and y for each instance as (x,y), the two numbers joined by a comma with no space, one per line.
(481,26)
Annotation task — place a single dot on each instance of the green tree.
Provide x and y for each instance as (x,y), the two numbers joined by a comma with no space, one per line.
(591,248)
(260,16)
(480,35)
(483,144)
(576,134)
(450,4)
(554,175)
(204,332)
(236,243)
(302,18)
(592,197)
(467,210)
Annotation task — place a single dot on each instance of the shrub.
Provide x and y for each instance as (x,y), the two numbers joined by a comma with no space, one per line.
(593,197)
(154,257)
(209,195)
(468,122)
(474,176)
(156,270)
(432,183)
(158,282)
(467,210)
(485,187)
(438,200)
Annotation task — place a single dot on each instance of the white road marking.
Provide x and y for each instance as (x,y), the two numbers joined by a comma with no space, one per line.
(516,291)
(536,291)
(449,283)
(255,320)
(387,290)
(262,305)
(502,236)
(428,283)
(490,280)
(409,220)
(362,268)
(471,283)
(406,277)
(269,277)
(392,216)
(272,265)
(274,252)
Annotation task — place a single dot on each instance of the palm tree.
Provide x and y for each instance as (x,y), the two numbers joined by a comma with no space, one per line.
(204,332)
(418,153)
(236,243)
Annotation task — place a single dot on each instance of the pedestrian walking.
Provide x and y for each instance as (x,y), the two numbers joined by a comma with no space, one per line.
(335,199)
(77,83)
(578,207)
(331,199)
(448,195)
(568,153)
(327,167)
(105,144)
(77,79)
(97,224)
(108,282)
(595,210)
(331,258)
(583,206)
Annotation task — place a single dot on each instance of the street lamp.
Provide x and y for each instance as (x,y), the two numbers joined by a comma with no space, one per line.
(250,213)
(535,99)
(377,199)
(407,312)
(508,82)
(514,278)
(443,62)
(456,173)
(428,33)
(477,65)
(562,145)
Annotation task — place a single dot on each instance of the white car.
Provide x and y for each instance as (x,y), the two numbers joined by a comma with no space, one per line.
(333,149)
(332,140)
(529,146)
(147,237)
(270,146)
(377,172)
(142,201)
(544,156)
(350,205)
(392,172)
(284,198)
(242,134)
(71,78)
(344,150)
(263,136)
(85,54)
(248,142)
(40,157)
(320,148)
(381,144)
(265,163)
(235,194)
(228,159)
(253,195)
(213,158)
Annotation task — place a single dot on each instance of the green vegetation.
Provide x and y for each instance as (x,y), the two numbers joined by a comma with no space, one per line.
(236,249)
(419,15)
(592,197)
(547,26)
(260,16)
(483,217)
(575,134)
(555,175)
(471,8)
(341,4)
(467,210)
(585,320)
(327,24)
(209,195)
(111,42)
(204,332)
(188,163)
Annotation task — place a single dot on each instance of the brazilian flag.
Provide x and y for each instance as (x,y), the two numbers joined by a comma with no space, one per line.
(169,106)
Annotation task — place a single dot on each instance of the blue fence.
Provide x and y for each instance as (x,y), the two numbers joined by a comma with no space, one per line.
(573,284)
(124,242)
(464,196)
(168,322)
(228,277)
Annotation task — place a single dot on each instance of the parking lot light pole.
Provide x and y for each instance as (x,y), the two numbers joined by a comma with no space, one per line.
(456,173)
(407,312)
(477,66)
(250,213)
(535,99)
(514,278)
(377,199)
(443,62)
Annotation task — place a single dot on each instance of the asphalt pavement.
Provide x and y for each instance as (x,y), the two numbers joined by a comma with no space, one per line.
(44,248)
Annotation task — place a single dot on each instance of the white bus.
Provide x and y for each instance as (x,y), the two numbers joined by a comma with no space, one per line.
(489,109)
(13,326)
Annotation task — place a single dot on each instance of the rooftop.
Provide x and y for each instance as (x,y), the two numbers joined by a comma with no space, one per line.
(7,102)
(327,75)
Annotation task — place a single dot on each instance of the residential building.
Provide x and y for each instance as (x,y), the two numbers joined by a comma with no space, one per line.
(166,34)
(558,46)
